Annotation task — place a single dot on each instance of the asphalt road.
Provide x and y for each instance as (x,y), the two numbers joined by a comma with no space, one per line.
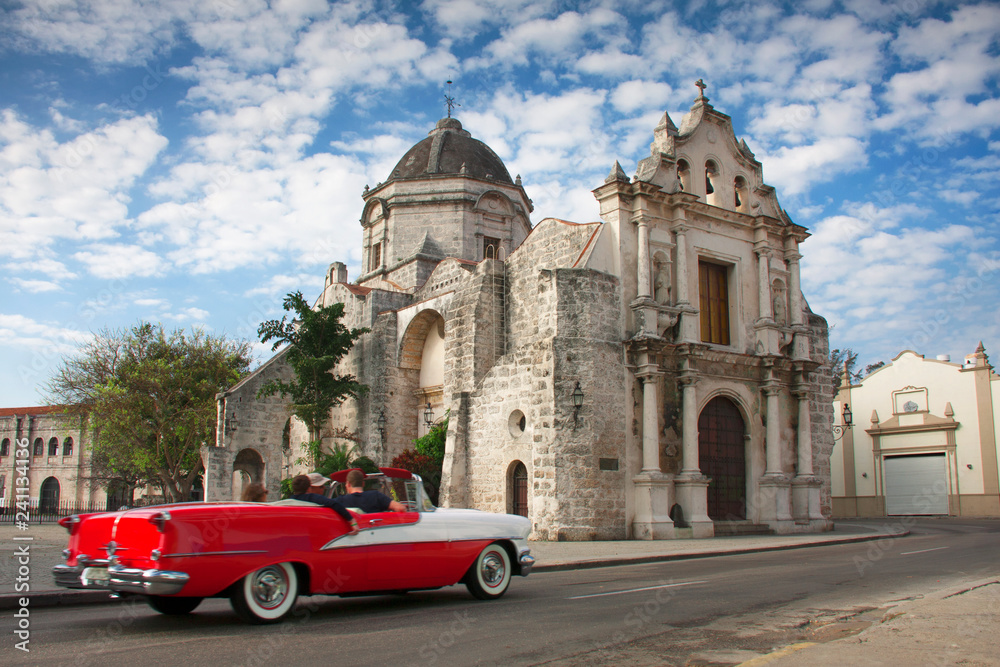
(706,611)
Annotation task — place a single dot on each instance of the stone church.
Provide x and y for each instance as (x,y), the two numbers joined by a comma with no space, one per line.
(654,375)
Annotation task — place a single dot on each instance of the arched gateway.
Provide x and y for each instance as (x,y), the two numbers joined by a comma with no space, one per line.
(722,454)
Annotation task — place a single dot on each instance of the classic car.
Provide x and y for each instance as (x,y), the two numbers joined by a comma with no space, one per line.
(262,556)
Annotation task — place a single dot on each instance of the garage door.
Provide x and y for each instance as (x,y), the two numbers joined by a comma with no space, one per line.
(916,485)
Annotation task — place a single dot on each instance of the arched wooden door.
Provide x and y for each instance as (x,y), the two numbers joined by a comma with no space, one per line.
(519,489)
(722,457)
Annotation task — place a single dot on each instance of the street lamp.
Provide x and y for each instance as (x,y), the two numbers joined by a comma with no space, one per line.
(839,430)
(428,415)
(381,425)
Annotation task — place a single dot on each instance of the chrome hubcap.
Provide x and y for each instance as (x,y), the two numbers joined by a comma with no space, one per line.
(269,587)
(493,569)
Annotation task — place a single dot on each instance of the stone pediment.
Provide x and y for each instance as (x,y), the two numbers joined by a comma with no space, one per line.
(913,423)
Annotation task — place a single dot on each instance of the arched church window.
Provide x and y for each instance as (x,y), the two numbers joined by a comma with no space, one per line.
(740,193)
(53,446)
(5,447)
(376,257)
(39,447)
(491,247)
(711,171)
(684,175)
(68,447)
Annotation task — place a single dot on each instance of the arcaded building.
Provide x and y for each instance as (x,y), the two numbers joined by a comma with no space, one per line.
(655,374)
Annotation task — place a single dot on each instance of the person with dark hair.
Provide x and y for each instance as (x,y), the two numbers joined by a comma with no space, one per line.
(255,493)
(310,489)
(367,501)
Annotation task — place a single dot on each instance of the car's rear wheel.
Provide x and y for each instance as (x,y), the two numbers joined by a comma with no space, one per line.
(173,606)
(489,575)
(266,595)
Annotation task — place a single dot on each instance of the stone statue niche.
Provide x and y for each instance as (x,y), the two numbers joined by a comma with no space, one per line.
(661,279)
(779,302)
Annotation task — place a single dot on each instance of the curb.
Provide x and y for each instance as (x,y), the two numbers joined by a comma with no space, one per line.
(639,560)
(72,598)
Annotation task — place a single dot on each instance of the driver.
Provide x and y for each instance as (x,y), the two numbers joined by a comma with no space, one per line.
(367,501)
(310,488)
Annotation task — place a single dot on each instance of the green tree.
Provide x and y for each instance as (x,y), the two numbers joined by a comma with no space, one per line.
(318,340)
(150,398)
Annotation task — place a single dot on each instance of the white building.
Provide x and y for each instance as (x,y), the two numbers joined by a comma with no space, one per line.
(923,440)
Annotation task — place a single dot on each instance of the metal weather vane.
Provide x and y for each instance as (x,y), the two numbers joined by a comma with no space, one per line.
(450,101)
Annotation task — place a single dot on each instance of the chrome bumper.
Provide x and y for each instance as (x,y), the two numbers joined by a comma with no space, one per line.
(122,579)
(526,561)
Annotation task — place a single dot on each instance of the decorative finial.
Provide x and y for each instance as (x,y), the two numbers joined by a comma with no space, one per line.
(449,100)
(701,88)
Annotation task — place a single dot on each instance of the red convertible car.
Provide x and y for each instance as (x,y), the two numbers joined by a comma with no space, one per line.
(262,556)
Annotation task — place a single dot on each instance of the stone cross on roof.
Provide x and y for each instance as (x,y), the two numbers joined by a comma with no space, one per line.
(701,87)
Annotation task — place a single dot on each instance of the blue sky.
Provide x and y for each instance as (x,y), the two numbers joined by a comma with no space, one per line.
(191,161)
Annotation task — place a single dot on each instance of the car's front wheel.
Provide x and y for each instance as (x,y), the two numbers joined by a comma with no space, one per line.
(489,575)
(173,606)
(266,595)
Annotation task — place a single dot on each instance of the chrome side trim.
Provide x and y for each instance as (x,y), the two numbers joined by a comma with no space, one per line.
(215,553)
(147,582)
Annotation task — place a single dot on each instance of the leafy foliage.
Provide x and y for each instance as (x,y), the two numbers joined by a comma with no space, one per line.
(150,397)
(427,458)
(838,358)
(432,443)
(318,340)
(427,467)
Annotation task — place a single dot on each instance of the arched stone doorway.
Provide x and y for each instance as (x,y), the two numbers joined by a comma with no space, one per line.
(722,457)
(48,496)
(247,468)
(422,355)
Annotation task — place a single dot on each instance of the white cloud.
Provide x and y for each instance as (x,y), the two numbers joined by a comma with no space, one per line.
(106,260)
(36,286)
(794,170)
(640,94)
(77,189)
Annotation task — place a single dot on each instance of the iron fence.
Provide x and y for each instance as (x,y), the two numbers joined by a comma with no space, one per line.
(50,512)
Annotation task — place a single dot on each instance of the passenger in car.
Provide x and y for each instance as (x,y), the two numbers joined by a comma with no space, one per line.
(255,493)
(367,501)
(304,487)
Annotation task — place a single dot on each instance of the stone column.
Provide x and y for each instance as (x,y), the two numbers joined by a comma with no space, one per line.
(775,487)
(764,283)
(680,235)
(643,263)
(691,487)
(653,489)
(805,486)
(804,435)
(772,443)
(650,422)
(795,291)
(689,435)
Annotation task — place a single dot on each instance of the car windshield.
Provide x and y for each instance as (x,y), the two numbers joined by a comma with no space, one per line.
(406,491)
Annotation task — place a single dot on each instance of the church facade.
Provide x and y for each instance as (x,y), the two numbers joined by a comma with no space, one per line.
(653,375)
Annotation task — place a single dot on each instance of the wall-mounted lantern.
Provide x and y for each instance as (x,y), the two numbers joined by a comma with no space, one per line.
(577,401)
(231,424)
(380,423)
(839,430)
(428,415)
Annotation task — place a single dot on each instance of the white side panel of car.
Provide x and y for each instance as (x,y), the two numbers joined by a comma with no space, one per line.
(441,525)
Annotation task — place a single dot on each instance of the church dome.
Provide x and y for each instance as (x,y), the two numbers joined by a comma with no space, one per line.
(448,149)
